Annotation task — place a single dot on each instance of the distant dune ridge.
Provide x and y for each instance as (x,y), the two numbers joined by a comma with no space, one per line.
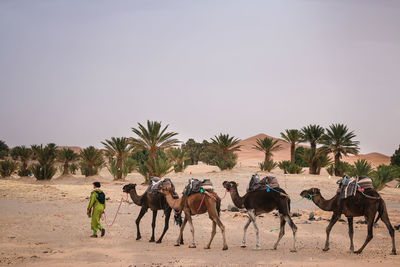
(251,157)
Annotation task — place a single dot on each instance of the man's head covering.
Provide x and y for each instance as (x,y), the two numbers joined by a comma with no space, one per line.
(97,184)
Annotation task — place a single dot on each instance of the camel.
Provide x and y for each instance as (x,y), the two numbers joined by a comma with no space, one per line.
(354,206)
(261,201)
(197,203)
(155,202)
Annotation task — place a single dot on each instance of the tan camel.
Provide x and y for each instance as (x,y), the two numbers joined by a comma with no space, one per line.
(197,203)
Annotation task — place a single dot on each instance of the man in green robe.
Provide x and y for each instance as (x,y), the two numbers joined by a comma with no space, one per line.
(96,207)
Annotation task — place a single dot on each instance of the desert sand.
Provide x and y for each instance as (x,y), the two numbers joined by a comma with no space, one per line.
(45,223)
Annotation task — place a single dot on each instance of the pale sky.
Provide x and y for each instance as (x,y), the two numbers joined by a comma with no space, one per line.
(78,72)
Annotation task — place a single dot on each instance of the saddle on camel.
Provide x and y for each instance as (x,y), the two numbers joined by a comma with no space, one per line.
(152,199)
(198,198)
(263,196)
(354,198)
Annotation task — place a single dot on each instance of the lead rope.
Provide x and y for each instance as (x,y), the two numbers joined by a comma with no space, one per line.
(104,218)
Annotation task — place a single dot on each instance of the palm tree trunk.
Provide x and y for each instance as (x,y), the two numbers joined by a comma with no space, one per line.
(292,150)
(119,168)
(66,168)
(90,169)
(337,162)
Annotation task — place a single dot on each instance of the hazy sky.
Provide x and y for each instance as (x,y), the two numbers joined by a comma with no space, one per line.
(78,72)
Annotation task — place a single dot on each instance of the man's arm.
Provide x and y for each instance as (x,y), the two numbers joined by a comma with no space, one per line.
(91,202)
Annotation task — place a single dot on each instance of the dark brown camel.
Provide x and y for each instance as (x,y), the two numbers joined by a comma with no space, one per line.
(354,206)
(261,201)
(197,203)
(154,202)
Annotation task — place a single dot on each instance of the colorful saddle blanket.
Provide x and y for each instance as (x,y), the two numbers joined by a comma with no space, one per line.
(348,186)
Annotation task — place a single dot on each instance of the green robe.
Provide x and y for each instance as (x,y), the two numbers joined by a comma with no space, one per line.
(98,210)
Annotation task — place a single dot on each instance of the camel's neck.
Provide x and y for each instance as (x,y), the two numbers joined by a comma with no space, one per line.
(324,204)
(237,200)
(135,197)
(176,204)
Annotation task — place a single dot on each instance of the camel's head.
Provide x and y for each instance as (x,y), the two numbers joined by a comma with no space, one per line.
(229,185)
(310,192)
(128,188)
(166,187)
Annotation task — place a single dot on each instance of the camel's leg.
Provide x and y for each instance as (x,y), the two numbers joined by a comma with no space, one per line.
(193,245)
(385,219)
(153,226)
(369,234)
(351,232)
(334,219)
(142,212)
(253,219)
(294,229)
(222,227)
(244,233)
(167,214)
(282,230)
(213,231)
(180,237)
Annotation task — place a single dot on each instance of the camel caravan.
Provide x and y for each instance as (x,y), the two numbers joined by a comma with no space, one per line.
(354,198)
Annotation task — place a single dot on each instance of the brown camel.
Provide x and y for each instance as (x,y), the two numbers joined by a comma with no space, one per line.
(197,203)
(354,206)
(263,201)
(154,202)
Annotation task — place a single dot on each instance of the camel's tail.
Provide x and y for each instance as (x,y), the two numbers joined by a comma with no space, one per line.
(381,209)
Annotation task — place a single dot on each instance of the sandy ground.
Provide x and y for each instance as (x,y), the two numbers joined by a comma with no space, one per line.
(45,223)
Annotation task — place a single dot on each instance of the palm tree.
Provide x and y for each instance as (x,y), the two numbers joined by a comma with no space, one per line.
(225,144)
(119,148)
(66,155)
(153,138)
(267,145)
(178,156)
(91,161)
(46,157)
(338,140)
(24,154)
(312,133)
(316,159)
(292,137)
(4,149)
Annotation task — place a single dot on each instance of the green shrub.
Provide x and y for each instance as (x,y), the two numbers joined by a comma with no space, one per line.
(343,168)
(268,165)
(395,159)
(46,157)
(73,168)
(298,157)
(284,165)
(384,174)
(7,167)
(227,164)
(3,149)
(360,168)
(128,167)
(289,167)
